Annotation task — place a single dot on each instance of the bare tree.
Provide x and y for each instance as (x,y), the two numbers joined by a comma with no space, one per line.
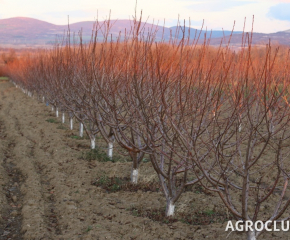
(248,165)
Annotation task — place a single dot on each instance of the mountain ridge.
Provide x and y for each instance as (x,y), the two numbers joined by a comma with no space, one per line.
(31,32)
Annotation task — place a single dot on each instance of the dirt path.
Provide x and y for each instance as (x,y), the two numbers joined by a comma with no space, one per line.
(46,190)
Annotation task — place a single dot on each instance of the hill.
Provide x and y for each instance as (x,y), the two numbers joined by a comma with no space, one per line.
(25,32)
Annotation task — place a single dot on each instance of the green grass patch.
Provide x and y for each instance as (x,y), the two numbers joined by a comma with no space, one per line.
(4,78)
(114,184)
(145,160)
(51,120)
(99,155)
(209,212)
(61,126)
(191,218)
(89,228)
(76,137)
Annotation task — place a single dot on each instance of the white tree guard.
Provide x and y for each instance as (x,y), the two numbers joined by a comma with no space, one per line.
(110,150)
(170,209)
(93,143)
(63,118)
(81,130)
(134,176)
(71,123)
(240,127)
(251,235)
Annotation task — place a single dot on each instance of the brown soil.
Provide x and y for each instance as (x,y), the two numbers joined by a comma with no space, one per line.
(49,190)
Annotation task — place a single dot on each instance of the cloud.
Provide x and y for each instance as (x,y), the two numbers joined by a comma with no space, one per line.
(280,11)
(217,5)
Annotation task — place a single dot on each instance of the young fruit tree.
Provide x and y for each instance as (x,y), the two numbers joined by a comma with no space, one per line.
(248,166)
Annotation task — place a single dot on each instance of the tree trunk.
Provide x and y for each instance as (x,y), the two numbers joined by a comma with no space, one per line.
(110,150)
(63,118)
(134,176)
(56,113)
(251,235)
(71,123)
(81,130)
(93,142)
(169,208)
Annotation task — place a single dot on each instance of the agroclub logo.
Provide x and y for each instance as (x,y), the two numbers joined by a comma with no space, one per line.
(258,226)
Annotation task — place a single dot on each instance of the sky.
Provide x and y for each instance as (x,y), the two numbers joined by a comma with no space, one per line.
(269,15)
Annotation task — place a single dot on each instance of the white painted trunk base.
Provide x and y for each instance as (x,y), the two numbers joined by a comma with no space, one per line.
(134,176)
(272,128)
(56,113)
(63,118)
(110,150)
(71,123)
(81,130)
(251,235)
(170,209)
(93,143)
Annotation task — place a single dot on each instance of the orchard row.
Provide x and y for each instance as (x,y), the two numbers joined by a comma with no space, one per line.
(206,115)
